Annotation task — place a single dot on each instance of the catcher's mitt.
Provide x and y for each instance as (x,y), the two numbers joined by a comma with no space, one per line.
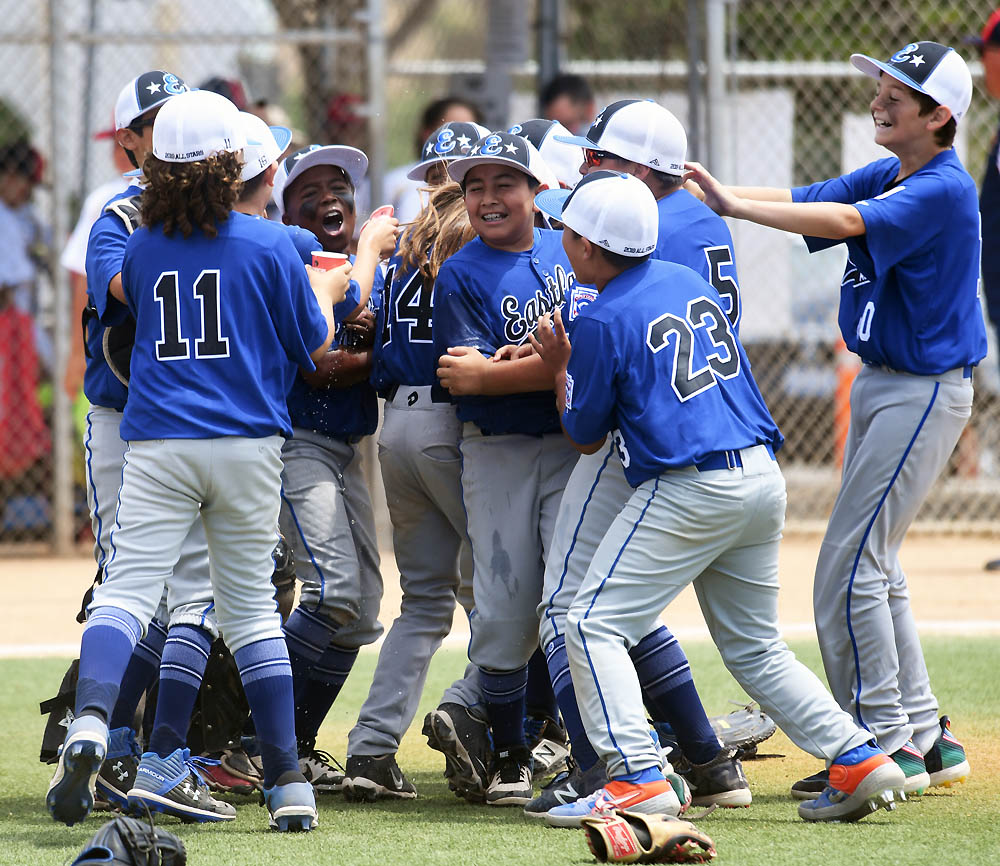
(126,841)
(744,728)
(632,837)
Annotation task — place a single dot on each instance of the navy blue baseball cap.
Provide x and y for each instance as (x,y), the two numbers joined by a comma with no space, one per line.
(564,159)
(503,148)
(929,68)
(449,141)
(145,92)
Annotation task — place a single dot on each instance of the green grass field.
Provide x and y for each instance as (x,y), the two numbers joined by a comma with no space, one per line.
(947,826)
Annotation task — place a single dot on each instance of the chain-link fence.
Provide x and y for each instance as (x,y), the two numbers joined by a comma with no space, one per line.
(765,90)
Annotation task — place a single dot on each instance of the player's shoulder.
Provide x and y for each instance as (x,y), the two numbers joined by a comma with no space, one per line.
(470,258)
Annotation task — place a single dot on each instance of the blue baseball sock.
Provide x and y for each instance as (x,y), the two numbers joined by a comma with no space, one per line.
(267,682)
(539,698)
(105,649)
(325,680)
(307,635)
(562,685)
(670,694)
(503,694)
(140,674)
(642,777)
(185,656)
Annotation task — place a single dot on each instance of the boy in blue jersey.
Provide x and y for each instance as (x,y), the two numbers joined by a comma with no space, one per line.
(656,359)
(326,513)
(489,294)
(204,424)
(909,308)
(109,333)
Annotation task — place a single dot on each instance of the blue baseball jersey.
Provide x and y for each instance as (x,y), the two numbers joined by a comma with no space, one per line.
(693,234)
(487,298)
(304,241)
(656,361)
(341,413)
(221,325)
(908,299)
(105,252)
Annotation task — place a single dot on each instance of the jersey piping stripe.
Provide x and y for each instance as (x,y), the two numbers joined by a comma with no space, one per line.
(590,607)
(861,547)
(576,532)
(102,553)
(305,544)
(118,507)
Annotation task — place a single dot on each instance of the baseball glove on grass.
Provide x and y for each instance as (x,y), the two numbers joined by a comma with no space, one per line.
(632,837)
(126,841)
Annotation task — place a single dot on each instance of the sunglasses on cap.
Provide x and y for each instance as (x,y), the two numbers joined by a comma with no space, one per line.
(593,158)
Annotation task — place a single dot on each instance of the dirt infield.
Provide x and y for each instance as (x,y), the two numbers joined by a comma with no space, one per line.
(39,596)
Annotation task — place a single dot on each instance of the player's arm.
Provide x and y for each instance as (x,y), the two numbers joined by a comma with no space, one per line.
(377,241)
(348,365)
(330,288)
(775,208)
(466,371)
(551,345)
(76,364)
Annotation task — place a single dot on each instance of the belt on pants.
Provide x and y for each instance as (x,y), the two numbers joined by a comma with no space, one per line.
(954,375)
(728,459)
(415,396)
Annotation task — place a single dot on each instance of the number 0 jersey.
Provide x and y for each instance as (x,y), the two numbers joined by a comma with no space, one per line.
(655,358)
(221,325)
(909,298)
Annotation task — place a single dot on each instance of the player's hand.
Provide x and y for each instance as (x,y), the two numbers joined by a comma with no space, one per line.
(512,353)
(359,332)
(717,196)
(380,234)
(461,371)
(330,285)
(551,343)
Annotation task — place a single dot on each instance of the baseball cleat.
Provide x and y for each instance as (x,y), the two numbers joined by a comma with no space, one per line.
(117,774)
(720,782)
(70,797)
(238,763)
(372,777)
(649,798)
(911,762)
(568,787)
(812,786)
(548,743)
(291,804)
(219,779)
(946,762)
(323,771)
(464,741)
(510,778)
(862,781)
(173,785)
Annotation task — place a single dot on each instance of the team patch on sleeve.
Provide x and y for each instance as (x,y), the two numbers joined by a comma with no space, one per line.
(569,391)
(580,297)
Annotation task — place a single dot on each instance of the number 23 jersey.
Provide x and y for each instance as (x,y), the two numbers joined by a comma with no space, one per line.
(221,326)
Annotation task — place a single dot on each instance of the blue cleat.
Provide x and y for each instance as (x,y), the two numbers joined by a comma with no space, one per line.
(70,797)
(292,806)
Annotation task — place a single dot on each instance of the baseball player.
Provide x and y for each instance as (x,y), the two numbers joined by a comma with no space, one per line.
(326,512)
(109,332)
(905,220)
(491,293)
(564,159)
(647,141)
(656,357)
(421,470)
(202,445)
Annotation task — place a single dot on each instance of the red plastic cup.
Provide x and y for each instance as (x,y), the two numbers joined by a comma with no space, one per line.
(328,261)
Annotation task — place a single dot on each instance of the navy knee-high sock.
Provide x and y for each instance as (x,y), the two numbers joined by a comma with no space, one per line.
(325,680)
(539,697)
(143,667)
(267,682)
(503,694)
(105,649)
(670,694)
(562,684)
(307,635)
(185,656)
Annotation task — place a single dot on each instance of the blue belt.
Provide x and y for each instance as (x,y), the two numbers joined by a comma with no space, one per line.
(726,459)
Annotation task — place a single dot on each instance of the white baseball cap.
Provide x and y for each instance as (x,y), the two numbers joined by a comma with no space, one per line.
(613,210)
(928,67)
(502,148)
(144,92)
(449,141)
(638,130)
(196,125)
(564,159)
(274,141)
(352,161)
